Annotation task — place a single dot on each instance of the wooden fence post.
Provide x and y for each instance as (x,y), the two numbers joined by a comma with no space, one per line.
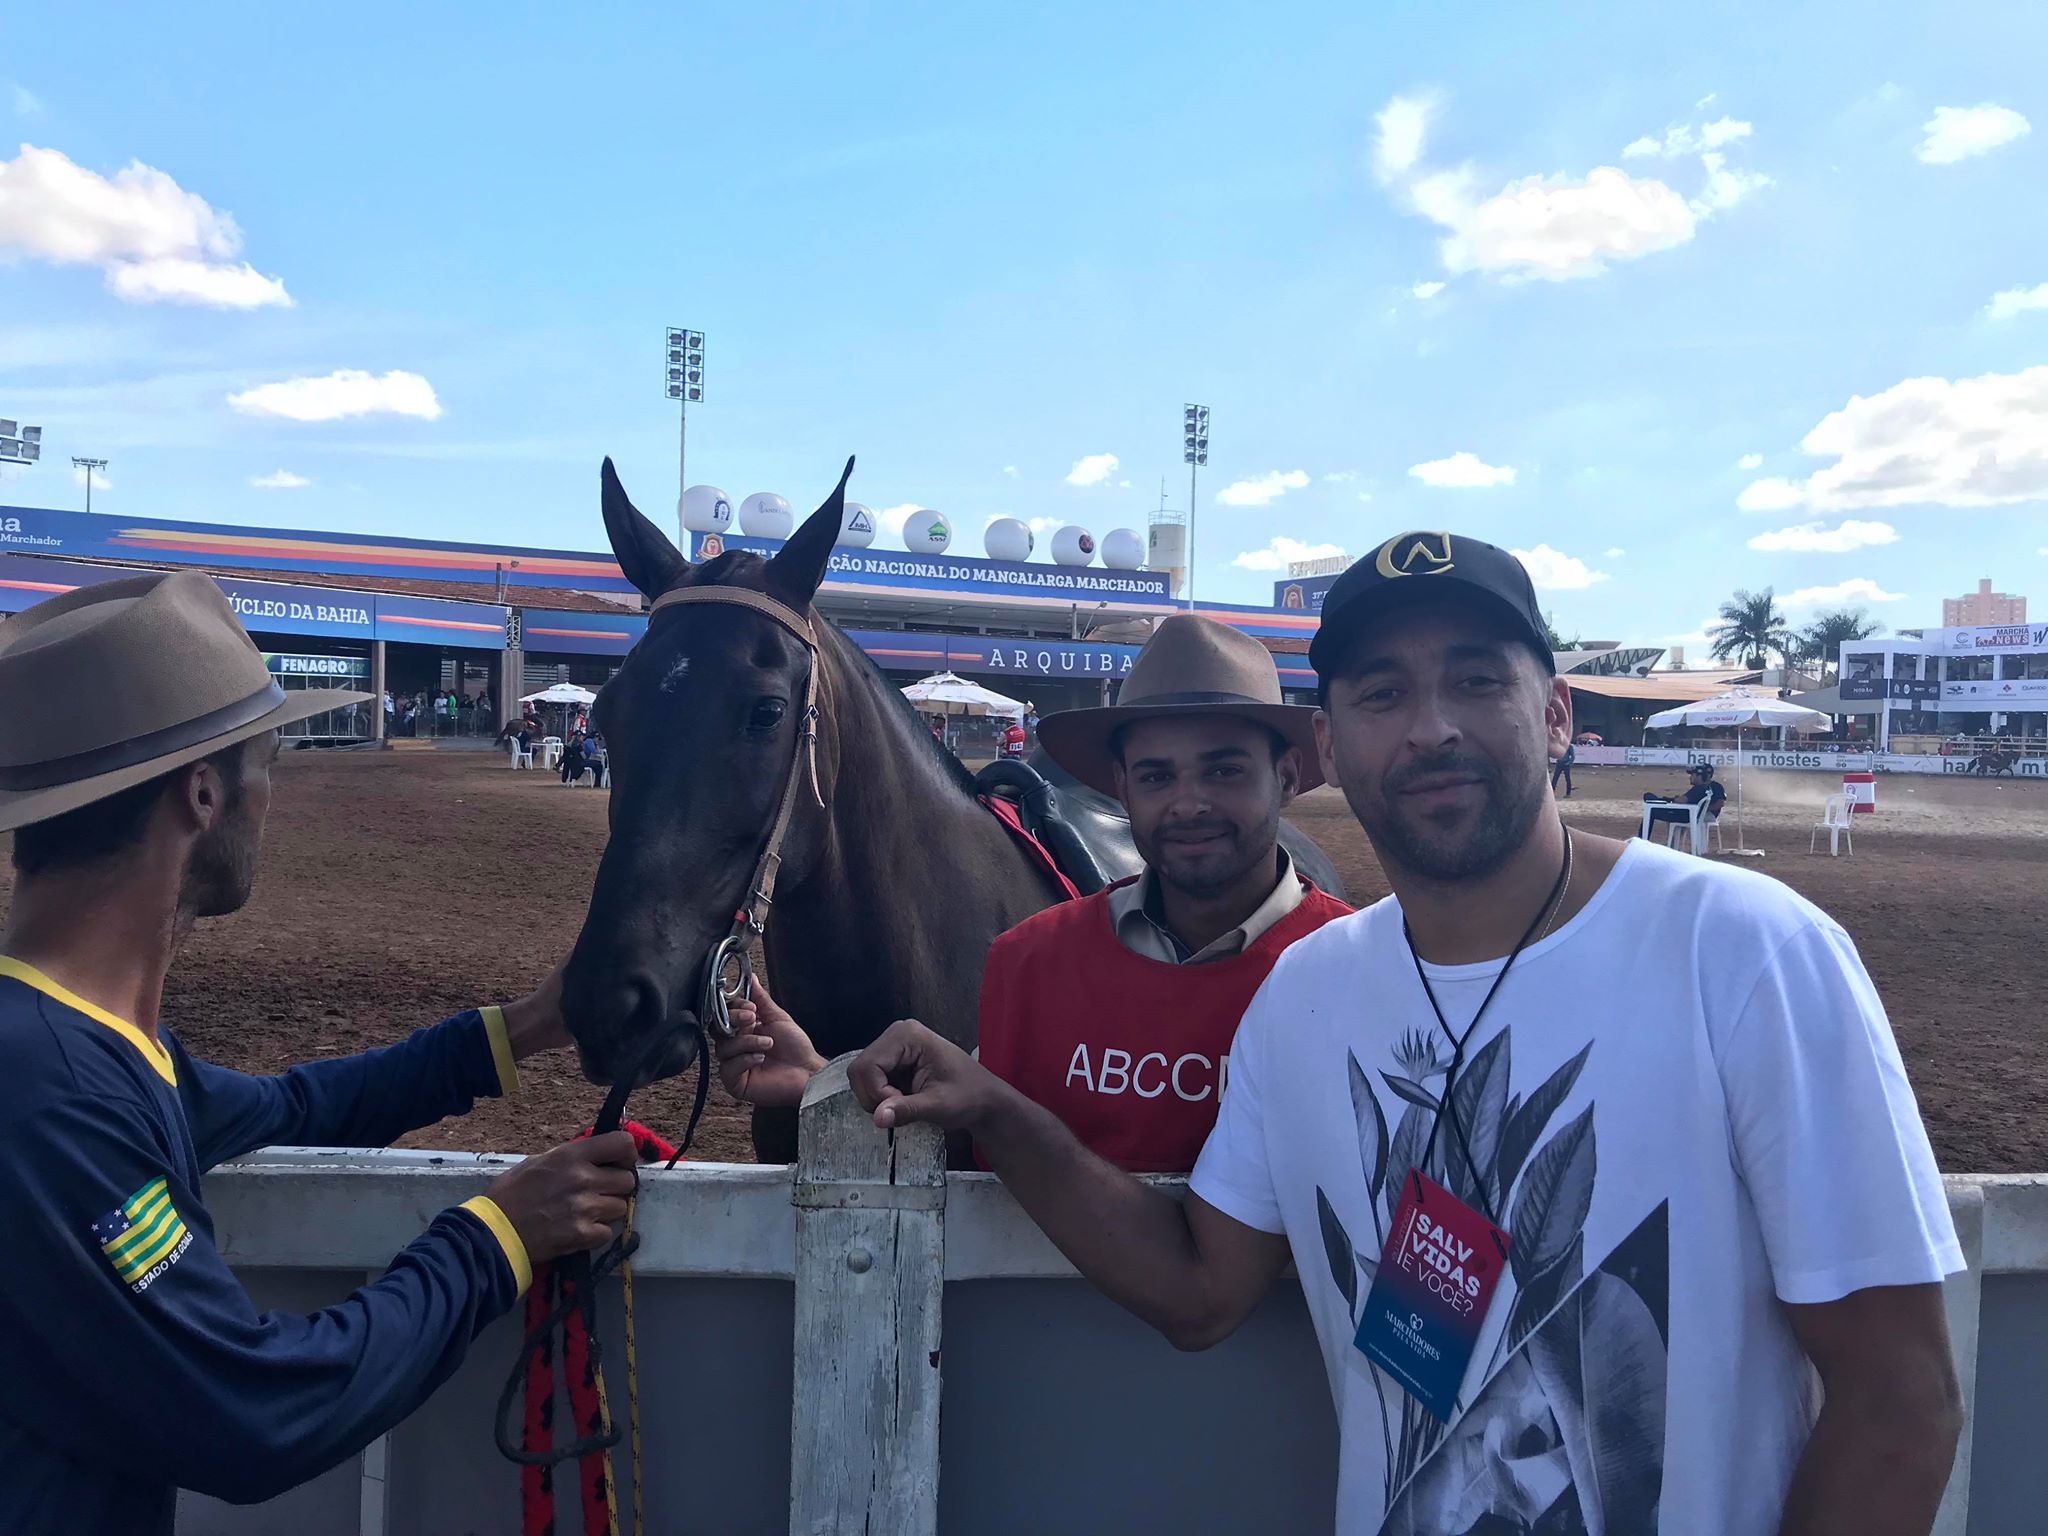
(870,1276)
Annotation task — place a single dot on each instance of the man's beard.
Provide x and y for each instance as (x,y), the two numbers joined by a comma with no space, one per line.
(1507,815)
(1244,850)
(221,869)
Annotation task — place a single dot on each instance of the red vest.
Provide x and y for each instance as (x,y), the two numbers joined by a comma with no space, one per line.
(1131,1053)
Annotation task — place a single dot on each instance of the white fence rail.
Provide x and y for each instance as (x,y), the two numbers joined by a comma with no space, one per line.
(792,1328)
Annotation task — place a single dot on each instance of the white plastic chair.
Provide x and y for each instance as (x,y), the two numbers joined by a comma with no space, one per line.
(551,751)
(1836,818)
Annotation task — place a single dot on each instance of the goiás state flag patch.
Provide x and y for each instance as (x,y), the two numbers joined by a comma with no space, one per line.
(145,1236)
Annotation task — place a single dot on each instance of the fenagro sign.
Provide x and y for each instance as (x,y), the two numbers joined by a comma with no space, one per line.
(316,666)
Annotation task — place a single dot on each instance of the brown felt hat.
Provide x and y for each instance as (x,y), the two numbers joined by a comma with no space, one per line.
(1190,666)
(108,686)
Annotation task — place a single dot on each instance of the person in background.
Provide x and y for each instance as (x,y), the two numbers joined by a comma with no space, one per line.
(1012,742)
(1116,1011)
(1704,787)
(140,1364)
(1562,769)
(1687,1116)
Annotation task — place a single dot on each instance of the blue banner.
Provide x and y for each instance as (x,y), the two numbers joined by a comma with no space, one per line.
(898,570)
(1303,594)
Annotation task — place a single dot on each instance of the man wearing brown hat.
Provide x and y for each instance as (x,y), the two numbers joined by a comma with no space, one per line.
(138,1364)
(1116,1011)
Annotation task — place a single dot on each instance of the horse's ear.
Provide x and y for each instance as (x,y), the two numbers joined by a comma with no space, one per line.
(799,566)
(643,551)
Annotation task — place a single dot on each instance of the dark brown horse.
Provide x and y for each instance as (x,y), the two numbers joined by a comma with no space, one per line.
(894,879)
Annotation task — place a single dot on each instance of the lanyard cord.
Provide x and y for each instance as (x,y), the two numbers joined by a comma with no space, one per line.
(1445,1106)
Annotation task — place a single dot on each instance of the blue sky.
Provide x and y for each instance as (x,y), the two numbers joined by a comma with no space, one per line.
(979,248)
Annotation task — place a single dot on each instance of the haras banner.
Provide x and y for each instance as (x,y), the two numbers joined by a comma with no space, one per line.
(899,571)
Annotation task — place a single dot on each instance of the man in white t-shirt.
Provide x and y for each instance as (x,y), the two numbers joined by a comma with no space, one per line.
(1682,1109)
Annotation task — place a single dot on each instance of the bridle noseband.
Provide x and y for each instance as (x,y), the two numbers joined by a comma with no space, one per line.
(729,970)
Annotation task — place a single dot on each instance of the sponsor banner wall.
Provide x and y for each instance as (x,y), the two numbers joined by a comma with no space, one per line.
(107,536)
(1995,691)
(902,570)
(282,608)
(1813,762)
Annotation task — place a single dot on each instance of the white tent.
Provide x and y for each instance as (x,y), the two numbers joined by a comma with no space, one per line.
(952,694)
(561,693)
(1742,708)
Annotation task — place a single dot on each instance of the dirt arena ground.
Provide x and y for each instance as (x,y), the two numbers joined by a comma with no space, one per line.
(398,887)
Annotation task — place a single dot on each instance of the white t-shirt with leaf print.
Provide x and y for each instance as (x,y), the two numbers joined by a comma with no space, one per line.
(1685,1106)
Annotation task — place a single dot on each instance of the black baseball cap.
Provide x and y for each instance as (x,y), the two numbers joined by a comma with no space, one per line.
(1418,567)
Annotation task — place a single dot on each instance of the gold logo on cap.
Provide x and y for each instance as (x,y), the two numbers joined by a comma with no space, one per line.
(1414,554)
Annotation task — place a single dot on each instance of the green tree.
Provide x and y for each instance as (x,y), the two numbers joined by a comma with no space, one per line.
(1556,636)
(1821,641)
(1751,628)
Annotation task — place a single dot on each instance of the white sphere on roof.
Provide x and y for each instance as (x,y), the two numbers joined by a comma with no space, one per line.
(1007,539)
(1073,545)
(706,509)
(856,526)
(765,515)
(1123,549)
(926,532)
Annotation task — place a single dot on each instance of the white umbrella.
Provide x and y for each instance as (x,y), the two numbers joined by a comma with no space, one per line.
(561,693)
(949,690)
(1742,707)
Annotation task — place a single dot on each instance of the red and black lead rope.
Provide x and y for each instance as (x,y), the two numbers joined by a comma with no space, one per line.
(562,1303)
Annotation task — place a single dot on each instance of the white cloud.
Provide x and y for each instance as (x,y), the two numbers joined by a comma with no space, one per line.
(1554,571)
(1403,126)
(2012,301)
(1819,539)
(1857,589)
(890,520)
(178,281)
(100,482)
(344,393)
(1957,133)
(1340,477)
(1552,227)
(1560,226)
(24,101)
(1774,494)
(1427,290)
(1462,471)
(282,480)
(1011,471)
(1750,461)
(1046,527)
(1092,469)
(1616,554)
(1978,442)
(1685,139)
(1262,490)
(152,239)
(1725,188)
(1283,552)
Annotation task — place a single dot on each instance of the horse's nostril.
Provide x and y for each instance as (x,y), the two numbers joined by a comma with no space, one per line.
(645,1006)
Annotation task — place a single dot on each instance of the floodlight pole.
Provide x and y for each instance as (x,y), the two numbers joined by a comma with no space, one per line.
(1191,535)
(88,465)
(1195,440)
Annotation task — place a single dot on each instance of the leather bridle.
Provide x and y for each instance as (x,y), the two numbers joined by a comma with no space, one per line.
(729,971)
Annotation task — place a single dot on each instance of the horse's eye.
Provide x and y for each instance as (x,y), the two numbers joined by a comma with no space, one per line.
(767,714)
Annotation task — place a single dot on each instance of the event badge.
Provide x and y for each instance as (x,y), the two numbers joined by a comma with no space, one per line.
(1437,1277)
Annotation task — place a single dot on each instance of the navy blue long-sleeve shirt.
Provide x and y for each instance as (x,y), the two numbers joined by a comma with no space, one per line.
(135,1362)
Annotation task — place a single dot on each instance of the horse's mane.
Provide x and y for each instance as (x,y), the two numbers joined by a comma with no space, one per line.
(950,765)
(728,569)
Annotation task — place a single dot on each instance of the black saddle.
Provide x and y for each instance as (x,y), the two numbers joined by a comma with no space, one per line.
(1088,834)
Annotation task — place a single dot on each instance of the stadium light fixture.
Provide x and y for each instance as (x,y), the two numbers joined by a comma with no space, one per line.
(1194,423)
(19,444)
(88,465)
(683,382)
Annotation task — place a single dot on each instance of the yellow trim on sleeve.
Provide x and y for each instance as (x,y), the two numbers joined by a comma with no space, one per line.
(486,1210)
(501,1049)
(158,1058)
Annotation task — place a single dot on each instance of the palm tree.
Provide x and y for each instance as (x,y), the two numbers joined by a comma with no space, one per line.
(1751,628)
(1823,639)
